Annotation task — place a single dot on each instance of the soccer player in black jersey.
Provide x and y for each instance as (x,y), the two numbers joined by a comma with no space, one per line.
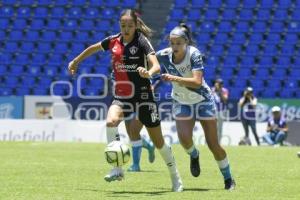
(131,53)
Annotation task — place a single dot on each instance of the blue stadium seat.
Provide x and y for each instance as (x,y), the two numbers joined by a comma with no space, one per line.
(270,92)
(40,12)
(16,35)
(257,83)
(221,38)
(17,69)
(294,73)
(108,14)
(181,3)
(198,3)
(213,61)
(3,70)
(5,58)
(203,38)
(113,3)
(277,26)
(288,50)
(44,47)
(55,59)
(70,25)
(21,59)
(244,72)
(96,3)
(75,12)
(284,4)
(38,59)
(128,3)
(279,72)
(92,13)
(23,12)
(239,38)
(287,93)
(236,92)
(247,61)
(19,24)
(48,36)
(273,38)
(263,15)
(250,4)
(232,3)
(207,27)
(217,50)
(86,25)
(280,15)
(6,12)
(31,35)
(283,61)
(266,61)
(246,14)
(11,81)
(235,49)
(193,14)
(252,50)
(37,24)
(229,15)
(10,2)
(34,70)
(44,81)
(11,46)
(58,12)
(262,73)
(53,24)
(225,27)
(256,38)
(103,25)
(230,60)
(178,14)
(215,3)
(28,81)
(291,38)
(42,3)
(40,91)
(21,91)
(270,50)
(6,91)
(211,15)
(78,2)
(60,47)
(226,73)
(260,27)
(266,4)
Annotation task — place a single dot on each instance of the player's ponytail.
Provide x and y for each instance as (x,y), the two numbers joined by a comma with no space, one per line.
(188,33)
(141,26)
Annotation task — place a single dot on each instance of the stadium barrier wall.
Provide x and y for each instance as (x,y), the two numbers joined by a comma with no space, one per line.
(94,131)
(11,107)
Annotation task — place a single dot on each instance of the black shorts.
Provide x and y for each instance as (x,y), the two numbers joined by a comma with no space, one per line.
(146,110)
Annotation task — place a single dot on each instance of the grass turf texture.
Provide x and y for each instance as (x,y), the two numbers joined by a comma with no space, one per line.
(75,171)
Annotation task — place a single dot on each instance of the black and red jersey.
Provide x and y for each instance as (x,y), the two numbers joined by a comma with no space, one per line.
(126,58)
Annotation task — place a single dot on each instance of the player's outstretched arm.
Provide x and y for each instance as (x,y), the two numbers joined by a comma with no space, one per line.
(73,65)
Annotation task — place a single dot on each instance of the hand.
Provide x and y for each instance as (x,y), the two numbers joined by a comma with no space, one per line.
(143,72)
(168,77)
(72,67)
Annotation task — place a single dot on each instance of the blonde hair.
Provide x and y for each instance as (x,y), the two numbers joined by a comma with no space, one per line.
(141,26)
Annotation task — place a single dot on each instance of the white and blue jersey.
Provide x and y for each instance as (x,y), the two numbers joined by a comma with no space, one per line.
(186,98)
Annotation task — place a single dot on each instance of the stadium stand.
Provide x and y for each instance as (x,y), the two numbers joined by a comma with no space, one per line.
(246,42)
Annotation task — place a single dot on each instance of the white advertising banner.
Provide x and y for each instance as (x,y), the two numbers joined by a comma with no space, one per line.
(94,131)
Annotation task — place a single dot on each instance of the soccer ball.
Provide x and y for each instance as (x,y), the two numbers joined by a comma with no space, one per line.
(117,153)
(298,154)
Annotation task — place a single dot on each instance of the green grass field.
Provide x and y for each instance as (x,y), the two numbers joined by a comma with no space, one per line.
(75,171)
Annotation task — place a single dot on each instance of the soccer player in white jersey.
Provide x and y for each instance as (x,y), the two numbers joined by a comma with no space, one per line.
(192,99)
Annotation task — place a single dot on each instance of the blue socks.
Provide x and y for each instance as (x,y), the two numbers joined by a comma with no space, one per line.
(193,152)
(136,152)
(224,168)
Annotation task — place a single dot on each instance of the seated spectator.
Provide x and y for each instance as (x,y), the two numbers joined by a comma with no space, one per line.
(277,128)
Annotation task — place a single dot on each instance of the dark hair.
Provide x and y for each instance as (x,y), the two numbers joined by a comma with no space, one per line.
(141,26)
(188,33)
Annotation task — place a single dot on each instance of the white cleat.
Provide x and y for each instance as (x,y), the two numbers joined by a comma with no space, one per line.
(116,174)
(177,185)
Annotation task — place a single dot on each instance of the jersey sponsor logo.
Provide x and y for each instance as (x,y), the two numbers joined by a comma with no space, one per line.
(133,50)
(125,68)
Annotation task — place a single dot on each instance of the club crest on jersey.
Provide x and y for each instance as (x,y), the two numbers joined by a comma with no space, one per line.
(133,50)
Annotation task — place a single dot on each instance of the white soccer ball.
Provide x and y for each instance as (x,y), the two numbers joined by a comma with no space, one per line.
(117,153)
(298,154)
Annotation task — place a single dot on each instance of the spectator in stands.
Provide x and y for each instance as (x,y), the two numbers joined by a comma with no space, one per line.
(220,94)
(247,106)
(277,128)
(192,99)
(130,50)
